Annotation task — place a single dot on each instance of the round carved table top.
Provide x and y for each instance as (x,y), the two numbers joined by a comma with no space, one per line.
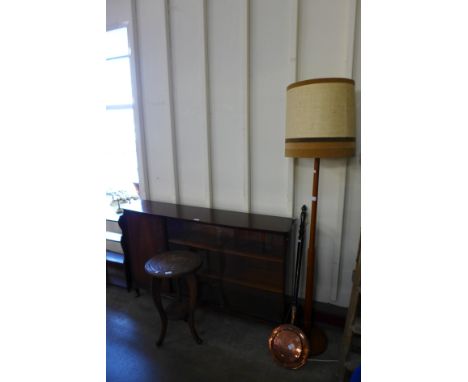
(173,264)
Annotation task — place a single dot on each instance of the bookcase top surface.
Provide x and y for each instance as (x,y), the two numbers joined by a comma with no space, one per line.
(212,216)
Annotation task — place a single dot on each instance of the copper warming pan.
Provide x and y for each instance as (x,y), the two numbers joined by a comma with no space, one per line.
(287,343)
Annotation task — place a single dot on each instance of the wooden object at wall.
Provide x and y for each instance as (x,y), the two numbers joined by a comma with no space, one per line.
(350,360)
(244,255)
(115,267)
(142,237)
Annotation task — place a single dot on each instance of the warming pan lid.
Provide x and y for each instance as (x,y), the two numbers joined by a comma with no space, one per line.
(289,346)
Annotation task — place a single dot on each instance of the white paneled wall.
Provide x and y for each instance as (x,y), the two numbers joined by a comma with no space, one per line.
(187,44)
(227,58)
(269,77)
(213,77)
(155,85)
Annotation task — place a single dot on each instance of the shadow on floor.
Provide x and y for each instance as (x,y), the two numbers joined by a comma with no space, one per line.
(234,349)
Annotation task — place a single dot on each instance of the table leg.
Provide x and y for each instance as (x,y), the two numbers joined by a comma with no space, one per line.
(156,291)
(179,289)
(192,287)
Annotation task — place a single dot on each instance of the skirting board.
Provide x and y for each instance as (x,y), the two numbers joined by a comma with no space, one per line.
(322,313)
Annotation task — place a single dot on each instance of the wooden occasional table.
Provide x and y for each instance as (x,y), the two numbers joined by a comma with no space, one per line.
(175,264)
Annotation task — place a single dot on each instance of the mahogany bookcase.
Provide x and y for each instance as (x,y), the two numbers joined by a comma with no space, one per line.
(245,256)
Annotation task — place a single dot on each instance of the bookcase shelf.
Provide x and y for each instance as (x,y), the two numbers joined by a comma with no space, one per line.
(223,250)
(254,285)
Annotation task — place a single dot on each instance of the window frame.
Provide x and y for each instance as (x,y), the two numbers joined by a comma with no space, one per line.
(137,112)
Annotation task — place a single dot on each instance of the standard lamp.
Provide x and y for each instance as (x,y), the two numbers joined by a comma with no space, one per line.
(320,123)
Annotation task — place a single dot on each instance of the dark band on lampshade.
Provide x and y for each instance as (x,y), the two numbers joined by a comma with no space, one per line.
(320,148)
(319,80)
(327,139)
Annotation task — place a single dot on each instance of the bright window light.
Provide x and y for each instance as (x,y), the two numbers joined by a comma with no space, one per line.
(120,151)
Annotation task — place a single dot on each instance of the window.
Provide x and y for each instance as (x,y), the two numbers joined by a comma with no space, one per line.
(120,150)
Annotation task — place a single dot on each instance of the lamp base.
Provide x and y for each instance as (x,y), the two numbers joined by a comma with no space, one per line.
(317,341)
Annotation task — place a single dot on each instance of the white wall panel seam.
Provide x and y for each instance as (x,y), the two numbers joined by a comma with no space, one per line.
(171,100)
(351,37)
(245,30)
(293,45)
(138,106)
(207,106)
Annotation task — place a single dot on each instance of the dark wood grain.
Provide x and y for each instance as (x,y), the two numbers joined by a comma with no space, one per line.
(156,292)
(141,240)
(175,264)
(172,264)
(193,289)
(244,256)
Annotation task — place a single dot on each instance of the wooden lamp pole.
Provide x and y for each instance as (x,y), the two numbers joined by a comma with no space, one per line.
(317,339)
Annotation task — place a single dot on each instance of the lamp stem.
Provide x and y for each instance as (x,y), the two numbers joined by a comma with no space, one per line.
(309,292)
(316,337)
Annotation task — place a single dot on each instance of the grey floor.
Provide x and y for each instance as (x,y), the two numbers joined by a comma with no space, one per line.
(234,348)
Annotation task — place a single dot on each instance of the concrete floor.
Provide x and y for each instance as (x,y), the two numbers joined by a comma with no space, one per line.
(234,349)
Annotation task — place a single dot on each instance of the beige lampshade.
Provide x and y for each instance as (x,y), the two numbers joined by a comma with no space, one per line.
(320,118)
